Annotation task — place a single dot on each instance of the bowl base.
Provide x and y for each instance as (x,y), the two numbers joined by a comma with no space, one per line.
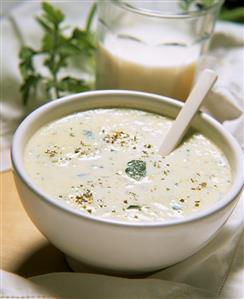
(78,266)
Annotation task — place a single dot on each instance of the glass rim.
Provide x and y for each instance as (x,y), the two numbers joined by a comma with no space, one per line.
(150,13)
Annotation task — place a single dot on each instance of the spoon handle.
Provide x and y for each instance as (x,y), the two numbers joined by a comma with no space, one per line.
(186,114)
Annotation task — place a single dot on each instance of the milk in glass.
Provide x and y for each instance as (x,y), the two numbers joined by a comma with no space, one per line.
(148,58)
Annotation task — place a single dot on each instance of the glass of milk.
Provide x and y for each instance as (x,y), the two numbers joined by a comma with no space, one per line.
(153,46)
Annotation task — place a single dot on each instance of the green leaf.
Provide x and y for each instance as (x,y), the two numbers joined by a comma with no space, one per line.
(83,39)
(90,17)
(48,43)
(191,5)
(131,207)
(28,87)
(136,169)
(69,84)
(26,53)
(52,14)
(26,61)
(233,15)
(44,24)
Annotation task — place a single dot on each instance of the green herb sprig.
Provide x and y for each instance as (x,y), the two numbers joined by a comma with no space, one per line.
(136,169)
(132,207)
(56,50)
(189,5)
(233,15)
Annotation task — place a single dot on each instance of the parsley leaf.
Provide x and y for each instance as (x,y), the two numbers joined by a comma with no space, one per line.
(131,207)
(189,5)
(136,169)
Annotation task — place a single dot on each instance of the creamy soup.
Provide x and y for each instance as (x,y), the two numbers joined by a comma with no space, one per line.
(105,162)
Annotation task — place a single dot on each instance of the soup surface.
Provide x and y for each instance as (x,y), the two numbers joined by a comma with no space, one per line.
(105,162)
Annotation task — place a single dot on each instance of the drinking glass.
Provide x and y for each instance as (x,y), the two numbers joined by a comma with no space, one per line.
(153,46)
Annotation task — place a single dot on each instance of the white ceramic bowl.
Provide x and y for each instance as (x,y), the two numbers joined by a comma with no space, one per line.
(110,244)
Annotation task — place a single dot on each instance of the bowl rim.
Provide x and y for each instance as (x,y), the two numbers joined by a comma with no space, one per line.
(18,165)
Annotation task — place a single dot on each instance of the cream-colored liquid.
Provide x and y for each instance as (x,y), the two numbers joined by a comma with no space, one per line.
(152,65)
(82,160)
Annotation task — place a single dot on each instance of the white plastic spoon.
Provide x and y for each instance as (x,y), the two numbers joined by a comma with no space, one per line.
(186,114)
